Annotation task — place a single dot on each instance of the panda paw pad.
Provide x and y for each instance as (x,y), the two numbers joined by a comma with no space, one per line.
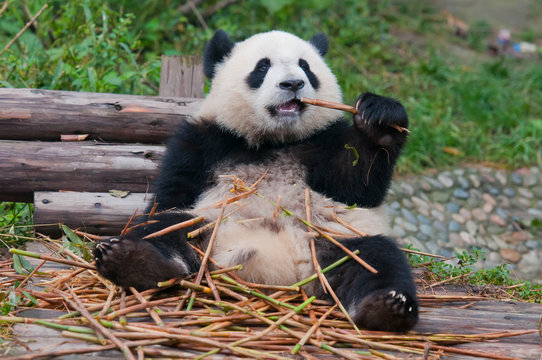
(387,310)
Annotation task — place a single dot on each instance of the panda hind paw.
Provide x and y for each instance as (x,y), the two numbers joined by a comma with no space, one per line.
(387,310)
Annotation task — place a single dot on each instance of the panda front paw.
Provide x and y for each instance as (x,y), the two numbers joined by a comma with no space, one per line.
(383,119)
(134,262)
(387,310)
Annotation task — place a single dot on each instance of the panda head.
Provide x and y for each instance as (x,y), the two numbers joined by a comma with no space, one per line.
(256,85)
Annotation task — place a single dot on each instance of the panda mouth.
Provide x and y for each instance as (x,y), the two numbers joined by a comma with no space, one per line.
(289,108)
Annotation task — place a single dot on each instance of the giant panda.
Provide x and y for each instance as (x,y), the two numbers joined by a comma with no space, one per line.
(252,127)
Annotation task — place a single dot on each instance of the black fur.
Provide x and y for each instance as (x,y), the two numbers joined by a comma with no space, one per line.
(256,77)
(215,51)
(304,65)
(133,261)
(383,301)
(320,42)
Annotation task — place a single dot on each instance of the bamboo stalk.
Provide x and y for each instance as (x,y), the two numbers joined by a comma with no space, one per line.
(51,258)
(343,107)
(175,227)
(77,305)
(151,311)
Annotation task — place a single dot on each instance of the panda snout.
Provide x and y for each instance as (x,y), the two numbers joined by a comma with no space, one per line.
(292,85)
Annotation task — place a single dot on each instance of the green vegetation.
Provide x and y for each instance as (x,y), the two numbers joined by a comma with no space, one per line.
(464,106)
(461,270)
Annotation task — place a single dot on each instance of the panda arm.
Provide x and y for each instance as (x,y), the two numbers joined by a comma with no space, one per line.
(191,155)
(354,164)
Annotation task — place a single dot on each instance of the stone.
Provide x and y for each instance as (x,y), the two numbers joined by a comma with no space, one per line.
(488,208)
(461,194)
(525,193)
(464,183)
(466,214)
(516,178)
(459,172)
(452,207)
(500,212)
(489,199)
(467,238)
(510,192)
(535,212)
(440,227)
(423,219)
(395,205)
(523,202)
(425,186)
(532,244)
(440,196)
(409,216)
(427,230)
(441,208)
(501,177)
(437,215)
(407,188)
(445,180)
(503,201)
(479,214)
(419,203)
(398,232)
(495,258)
(474,180)
(409,227)
(481,230)
(472,228)
(510,255)
(434,183)
(456,240)
(453,226)
(475,194)
(408,204)
(530,180)
(496,219)
(458,218)
(493,190)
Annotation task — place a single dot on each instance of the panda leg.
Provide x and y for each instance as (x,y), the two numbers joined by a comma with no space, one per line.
(133,261)
(383,301)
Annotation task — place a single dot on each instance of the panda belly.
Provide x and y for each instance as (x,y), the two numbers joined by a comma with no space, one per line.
(273,247)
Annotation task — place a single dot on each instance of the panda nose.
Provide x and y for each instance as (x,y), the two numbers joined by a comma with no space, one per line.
(292,85)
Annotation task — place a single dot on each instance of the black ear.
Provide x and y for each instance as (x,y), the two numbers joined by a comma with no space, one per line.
(216,49)
(320,42)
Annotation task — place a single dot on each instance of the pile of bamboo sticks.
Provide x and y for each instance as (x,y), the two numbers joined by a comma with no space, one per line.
(209,314)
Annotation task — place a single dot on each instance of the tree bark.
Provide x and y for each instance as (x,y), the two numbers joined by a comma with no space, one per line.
(33,114)
(26,167)
(95,213)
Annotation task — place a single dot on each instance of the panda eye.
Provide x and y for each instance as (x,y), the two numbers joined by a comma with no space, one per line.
(304,65)
(263,65)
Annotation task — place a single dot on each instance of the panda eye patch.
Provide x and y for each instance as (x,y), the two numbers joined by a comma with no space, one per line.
(256,77)
(304,65)
(263,65)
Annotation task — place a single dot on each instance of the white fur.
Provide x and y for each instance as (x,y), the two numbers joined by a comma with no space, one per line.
(275,250)
(234,105)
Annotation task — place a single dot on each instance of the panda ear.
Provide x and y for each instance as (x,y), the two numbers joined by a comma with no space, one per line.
(320,42)
(216,49)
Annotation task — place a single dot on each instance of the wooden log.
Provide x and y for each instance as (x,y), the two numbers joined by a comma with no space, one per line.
(95,213)
(29,166)
(33,114)
(182,76)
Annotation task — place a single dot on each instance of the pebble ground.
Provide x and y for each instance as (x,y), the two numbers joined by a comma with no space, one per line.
(495,210)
